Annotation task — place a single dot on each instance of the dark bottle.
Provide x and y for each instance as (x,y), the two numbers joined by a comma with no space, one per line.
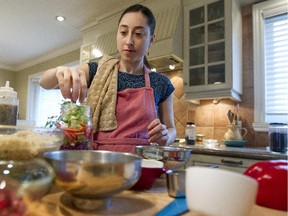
(278,137)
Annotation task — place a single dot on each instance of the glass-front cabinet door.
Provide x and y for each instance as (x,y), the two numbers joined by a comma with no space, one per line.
(208,69)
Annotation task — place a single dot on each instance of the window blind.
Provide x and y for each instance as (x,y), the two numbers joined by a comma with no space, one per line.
(44,103)
(276,68)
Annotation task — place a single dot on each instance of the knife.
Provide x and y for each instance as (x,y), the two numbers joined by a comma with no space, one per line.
(176,207)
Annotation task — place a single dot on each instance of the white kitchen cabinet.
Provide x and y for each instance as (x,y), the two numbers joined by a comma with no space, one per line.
(212,49)
(229,163)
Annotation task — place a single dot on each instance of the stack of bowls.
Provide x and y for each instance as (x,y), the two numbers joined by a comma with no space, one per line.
(21,157)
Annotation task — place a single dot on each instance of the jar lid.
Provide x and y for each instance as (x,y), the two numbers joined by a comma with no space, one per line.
(200,135)
(7,91)
(190,123)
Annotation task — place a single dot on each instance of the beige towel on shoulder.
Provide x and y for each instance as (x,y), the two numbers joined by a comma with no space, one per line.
(102,95)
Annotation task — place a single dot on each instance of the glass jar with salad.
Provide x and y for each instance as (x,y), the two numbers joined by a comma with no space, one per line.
(75,120)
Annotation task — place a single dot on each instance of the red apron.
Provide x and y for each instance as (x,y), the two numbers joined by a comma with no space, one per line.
(135,110)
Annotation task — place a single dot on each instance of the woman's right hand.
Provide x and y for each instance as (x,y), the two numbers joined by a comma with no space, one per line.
(72,82)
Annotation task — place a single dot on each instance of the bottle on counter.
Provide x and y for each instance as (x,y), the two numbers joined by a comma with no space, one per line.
(190,133)
(278,141)
(8,105)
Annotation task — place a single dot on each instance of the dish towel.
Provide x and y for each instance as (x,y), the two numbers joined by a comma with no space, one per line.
(175,208)
(102,95)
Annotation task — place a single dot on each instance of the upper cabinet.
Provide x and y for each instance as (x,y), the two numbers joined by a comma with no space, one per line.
(212,49)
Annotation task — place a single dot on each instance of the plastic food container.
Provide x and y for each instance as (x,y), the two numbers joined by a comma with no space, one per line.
(8,105)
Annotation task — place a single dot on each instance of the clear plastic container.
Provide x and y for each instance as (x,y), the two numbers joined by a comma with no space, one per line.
(8,105)
(190,133)
(278,133)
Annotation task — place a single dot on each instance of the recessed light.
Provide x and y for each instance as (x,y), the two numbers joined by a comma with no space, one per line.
(171,67)
(60,18)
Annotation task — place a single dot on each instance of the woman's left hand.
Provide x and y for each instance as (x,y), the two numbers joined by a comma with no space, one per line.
(157,132)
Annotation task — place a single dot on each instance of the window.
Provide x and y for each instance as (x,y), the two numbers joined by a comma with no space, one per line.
(270,32)
(42,103)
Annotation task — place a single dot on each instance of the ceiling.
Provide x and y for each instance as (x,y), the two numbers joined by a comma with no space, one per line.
(30,33)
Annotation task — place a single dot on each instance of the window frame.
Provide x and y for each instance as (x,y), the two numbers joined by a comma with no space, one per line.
(269,8)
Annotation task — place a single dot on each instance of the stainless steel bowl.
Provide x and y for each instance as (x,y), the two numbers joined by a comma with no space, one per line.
(92,177)
(173,157)
(165,153)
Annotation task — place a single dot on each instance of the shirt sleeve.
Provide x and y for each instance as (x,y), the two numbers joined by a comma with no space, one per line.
(162,86)
(93,66)
(168,88)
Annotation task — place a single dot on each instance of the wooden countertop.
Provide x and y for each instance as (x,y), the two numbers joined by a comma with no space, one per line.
(58,203)
(237,152)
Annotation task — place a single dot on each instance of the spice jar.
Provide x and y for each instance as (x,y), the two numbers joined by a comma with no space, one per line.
(199,139)
(278,137)
(8,105)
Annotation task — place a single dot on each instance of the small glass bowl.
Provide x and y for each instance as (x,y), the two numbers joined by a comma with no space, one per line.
(35,177)
(24,143)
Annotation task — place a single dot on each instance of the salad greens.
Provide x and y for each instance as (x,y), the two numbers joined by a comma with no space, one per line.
(73,115)
(75,121)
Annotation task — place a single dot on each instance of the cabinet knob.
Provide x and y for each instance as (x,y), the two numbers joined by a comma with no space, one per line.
(185,83)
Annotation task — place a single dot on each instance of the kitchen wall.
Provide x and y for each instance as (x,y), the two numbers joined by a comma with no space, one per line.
(211,119)
(7,75)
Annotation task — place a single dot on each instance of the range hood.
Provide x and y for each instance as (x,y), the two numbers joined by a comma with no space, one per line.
(167,48)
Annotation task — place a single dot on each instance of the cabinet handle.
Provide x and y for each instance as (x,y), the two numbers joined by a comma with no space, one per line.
(231,162)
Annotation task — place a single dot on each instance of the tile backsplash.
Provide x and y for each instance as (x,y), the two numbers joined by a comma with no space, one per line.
(211,119)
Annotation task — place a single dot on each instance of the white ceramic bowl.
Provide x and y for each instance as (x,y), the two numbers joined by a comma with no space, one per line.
(210,143)
(219,192)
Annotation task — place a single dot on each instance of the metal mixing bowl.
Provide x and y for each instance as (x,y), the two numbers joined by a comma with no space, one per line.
(92,177)
(173,157)
(165,153)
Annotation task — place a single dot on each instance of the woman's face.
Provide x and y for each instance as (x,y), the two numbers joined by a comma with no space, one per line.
(133,37)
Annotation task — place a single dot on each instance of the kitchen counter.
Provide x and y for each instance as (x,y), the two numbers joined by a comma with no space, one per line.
(237,152)
(58,203)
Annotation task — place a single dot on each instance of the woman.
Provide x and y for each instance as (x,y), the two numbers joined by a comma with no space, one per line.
(130,104)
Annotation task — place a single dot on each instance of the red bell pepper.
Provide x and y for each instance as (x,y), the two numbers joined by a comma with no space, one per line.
(272,178)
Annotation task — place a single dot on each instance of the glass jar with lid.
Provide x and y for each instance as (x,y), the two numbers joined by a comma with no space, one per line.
(75,120)
(190,133)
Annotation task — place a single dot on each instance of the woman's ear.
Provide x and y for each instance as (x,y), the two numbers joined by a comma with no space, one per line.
(152,38)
